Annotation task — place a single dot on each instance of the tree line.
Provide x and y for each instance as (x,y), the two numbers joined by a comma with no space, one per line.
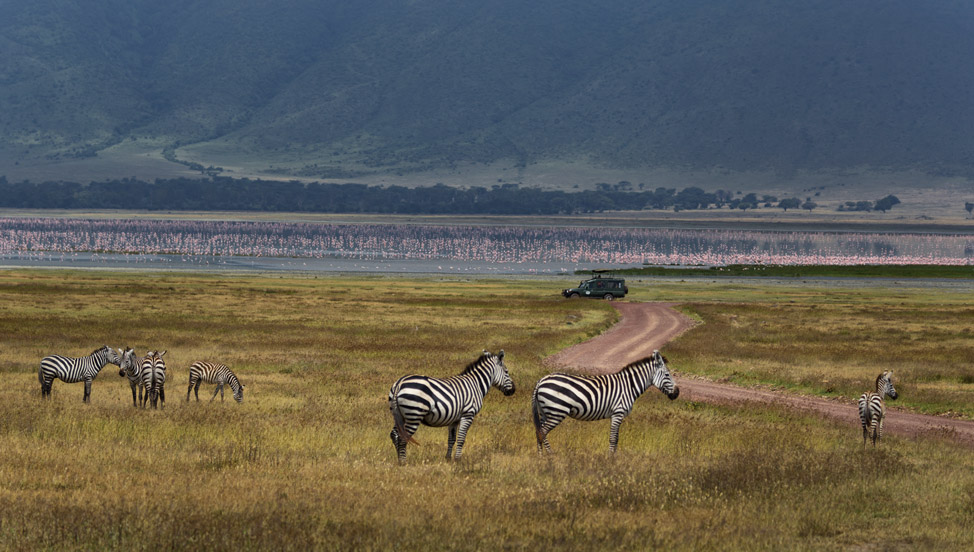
(219,193)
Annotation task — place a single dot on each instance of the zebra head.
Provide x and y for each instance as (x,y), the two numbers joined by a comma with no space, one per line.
(884,385)
(128,363)
(109,354)
(662,378)
(499,377)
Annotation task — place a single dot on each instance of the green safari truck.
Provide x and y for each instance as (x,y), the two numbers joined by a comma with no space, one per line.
(599,287)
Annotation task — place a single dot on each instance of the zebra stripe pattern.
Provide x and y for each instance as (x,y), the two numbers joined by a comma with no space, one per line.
(587,398)
(208,372)
(450,402)
(872,410)
(131,367)
(74,370)
(154,379)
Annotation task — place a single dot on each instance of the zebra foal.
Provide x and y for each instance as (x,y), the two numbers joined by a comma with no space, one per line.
(208,372)
(872,410)
(448,402)
(74,370)
(588,398)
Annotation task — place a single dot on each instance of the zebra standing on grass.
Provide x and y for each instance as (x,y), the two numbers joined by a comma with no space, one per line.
(74,370)
(597,397)
(208,372)
(871,407)
(154,378)
(451,402)
(132,368)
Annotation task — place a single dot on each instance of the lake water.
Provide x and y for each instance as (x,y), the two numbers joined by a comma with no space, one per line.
(457,249)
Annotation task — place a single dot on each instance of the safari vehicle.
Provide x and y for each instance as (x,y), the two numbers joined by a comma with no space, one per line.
(599,287)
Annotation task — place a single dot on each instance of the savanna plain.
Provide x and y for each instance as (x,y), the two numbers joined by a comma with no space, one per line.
(305,462)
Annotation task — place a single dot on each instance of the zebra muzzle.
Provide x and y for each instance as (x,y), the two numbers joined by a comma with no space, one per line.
(674,394)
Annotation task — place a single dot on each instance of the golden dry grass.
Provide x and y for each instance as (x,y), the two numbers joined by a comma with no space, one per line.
(306,463)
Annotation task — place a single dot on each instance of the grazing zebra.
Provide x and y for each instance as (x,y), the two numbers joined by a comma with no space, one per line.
(597,397)
(154,378)
(132,368)
(207,372)
(871,407)
(74,370)
(451,402)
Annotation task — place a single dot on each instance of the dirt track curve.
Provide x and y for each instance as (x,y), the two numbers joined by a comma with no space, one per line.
(647,326)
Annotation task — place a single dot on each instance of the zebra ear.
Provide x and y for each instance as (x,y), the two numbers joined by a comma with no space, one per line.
(162,353)
(500,354)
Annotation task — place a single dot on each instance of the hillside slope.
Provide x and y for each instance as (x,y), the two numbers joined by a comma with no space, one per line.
(327,87)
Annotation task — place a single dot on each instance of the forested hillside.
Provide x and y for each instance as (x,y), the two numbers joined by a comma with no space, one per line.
(389,86)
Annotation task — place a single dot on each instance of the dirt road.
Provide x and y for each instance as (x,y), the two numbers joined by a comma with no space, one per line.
(647,326)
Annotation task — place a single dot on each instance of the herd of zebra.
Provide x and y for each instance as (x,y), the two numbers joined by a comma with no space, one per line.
(442,402)
(453,402)
(146,375)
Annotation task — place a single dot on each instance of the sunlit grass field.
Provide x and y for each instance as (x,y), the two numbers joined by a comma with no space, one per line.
(306,462)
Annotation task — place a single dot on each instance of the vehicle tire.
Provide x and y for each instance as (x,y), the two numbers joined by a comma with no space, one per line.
(608,297)
(574,296)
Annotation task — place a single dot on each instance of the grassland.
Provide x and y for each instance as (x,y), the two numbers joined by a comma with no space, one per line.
(305,462)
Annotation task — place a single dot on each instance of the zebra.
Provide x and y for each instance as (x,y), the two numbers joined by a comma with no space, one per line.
(449,402)
(74,370)
(871,407)
(154,378)
(132,368)
(207,372)
(590,398)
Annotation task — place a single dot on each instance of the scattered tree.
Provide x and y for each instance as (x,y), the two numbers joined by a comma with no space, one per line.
(790,203)
(886,203)
(968,206)
(809,205)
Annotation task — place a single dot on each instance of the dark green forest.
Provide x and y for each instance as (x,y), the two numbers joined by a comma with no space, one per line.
(230,194)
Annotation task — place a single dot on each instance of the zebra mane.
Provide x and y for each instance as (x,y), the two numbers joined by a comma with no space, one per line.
(475,364)
(647,360)
(98,350)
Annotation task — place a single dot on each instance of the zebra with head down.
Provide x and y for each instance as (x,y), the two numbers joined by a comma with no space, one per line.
(587,398)
(445,402)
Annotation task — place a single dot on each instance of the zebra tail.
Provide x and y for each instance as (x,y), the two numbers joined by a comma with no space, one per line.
(399,420)
(537,415)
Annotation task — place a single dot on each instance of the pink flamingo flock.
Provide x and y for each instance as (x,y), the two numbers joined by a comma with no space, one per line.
(491,244)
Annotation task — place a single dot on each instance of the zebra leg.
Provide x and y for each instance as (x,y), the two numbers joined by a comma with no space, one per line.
(87,397)
(614,431)
(552,419)
(450,440)
(190,390)
(219,387)
(462,426)
(162,396)
(196,389)
(132,385)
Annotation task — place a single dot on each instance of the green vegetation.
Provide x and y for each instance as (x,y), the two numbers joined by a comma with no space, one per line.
(808,271)
(306,462)
(391,87)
